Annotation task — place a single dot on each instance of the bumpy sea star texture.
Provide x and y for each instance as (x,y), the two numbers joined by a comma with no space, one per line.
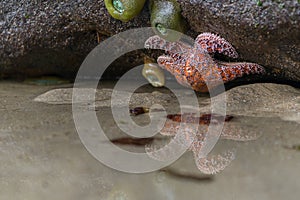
(195,67)
(196,140)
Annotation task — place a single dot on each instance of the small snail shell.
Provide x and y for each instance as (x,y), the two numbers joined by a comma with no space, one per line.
(124,10)
(153,73)
(166,14)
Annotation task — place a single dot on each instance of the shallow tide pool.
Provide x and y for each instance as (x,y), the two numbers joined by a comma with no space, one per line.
(42,156)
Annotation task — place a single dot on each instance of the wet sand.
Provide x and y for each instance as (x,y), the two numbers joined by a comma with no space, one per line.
(42,156)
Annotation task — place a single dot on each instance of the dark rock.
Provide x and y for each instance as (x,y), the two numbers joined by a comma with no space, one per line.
(53,37)
(267,33)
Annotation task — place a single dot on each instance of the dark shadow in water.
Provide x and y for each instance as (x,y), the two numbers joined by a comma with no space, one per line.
(186,176)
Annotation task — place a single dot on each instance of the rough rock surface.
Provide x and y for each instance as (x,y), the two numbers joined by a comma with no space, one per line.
(53,37)
(266,33)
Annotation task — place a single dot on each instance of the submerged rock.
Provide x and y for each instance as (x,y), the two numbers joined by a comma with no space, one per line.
(262,100)
(254,100)
(53,37)
(103,97)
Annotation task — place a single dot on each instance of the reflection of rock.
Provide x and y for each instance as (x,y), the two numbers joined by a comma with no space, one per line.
(103,97)
(255,100)
(258,109)
(258,102)
(265,100)
(262,100)
(53,37)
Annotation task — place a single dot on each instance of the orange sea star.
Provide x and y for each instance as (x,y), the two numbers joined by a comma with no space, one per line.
(193,66)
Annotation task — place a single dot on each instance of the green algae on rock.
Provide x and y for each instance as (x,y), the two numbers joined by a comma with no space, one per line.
(167,15)
(124,10)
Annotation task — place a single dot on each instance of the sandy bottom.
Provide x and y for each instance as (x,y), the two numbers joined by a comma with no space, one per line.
(42,157)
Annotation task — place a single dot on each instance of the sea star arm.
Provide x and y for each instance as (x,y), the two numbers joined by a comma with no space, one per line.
(214,43)
(215,163)
(166,62)
(183,137)
(175,65)
(156,42)
(170,128)
(190,72)
(231,71)
(156,152)
(233,131)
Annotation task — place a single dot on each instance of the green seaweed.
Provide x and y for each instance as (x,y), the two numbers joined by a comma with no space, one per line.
(124,10)
(281,5)
(259,2)
(293,147)
(296,147)
(166,16)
